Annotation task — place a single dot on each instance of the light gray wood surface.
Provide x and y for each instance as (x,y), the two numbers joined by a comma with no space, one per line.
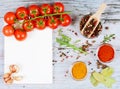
(61,79)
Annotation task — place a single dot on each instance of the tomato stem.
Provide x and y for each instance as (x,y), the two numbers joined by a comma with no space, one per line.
(47,15)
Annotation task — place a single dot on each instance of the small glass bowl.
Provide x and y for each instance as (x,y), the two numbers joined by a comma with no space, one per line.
(98,51)
(72,74)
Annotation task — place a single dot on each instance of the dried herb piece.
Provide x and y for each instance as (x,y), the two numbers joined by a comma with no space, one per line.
(99,64)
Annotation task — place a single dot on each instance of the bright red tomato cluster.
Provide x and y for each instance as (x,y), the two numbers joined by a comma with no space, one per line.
(35,17)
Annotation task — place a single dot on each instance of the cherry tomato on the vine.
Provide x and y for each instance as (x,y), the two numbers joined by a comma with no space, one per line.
(10,17)
(28,26)
(33,10)
(58,7)
(40,23)
(20,34)
(8,30)
(45,9)
(53,22)
(22,13)
(65,20)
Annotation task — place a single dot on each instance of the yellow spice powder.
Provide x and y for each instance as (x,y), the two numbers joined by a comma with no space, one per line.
(79,70)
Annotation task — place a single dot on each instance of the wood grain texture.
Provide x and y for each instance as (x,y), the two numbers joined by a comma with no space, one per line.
(62,80)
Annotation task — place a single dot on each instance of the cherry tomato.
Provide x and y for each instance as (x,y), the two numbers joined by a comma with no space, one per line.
(10,17)
(8,30)
(20,34)
(22,13)
(45,9)
(65,20)
(40,23)
(58,7)
(53,22)
(33,10)
(28,26)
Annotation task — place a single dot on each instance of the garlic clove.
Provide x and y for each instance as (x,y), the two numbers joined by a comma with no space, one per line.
(14,68)
(10,81)
(17,78)
(6,75)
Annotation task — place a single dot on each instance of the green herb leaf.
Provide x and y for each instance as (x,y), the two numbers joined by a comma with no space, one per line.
(65,40)
(107,72)
(108,82)
(108,38)
(93,81)
(77,41)
(99,77)
(103,77)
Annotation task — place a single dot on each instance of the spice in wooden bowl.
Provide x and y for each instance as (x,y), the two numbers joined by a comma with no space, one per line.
(79,70)
(87,31)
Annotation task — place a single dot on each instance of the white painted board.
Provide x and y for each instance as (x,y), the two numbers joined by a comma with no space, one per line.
(33,56)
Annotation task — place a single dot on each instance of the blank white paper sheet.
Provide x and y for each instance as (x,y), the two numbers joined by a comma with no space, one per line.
(33,56)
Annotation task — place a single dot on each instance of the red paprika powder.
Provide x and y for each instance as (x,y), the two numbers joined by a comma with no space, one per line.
(106,53)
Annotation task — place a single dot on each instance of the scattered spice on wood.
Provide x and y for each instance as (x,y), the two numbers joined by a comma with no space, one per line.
(100,65)
(113,38)
(54,61)
(94,54)
(91,68)
(91,51)
(85,47)
(67,52)
(62,60)
(67,72)
(62,54)
(89,63)
(67,57)
(61,48)
(65,75)
(76,34)
(93,41)
(88,43)
(107,28)
(78,57)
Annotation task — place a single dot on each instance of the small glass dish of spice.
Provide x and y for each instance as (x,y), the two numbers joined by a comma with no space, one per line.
(78,70)
(88,29)
(106,53)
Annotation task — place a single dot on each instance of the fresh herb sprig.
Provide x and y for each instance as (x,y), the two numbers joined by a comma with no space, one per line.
(108,38)
(65,40)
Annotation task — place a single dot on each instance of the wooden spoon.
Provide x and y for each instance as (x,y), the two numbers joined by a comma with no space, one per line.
(96,17)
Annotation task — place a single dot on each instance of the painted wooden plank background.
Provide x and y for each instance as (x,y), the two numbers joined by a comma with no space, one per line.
(63,80)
